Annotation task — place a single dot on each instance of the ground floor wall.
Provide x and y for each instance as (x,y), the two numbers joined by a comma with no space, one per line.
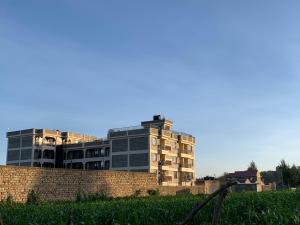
(64,184)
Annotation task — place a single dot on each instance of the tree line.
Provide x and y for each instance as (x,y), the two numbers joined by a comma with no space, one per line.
(285,175)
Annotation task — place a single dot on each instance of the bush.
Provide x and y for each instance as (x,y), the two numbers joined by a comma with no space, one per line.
(32,197)
(9,199)
(137,193)
(153,192)
(100,196)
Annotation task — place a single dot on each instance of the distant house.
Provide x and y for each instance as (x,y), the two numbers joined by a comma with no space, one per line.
(249,180)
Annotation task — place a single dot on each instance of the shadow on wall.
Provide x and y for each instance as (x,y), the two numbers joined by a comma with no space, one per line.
(183,192)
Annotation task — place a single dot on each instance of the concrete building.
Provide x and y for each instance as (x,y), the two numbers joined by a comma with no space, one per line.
(151,147)
(249,180)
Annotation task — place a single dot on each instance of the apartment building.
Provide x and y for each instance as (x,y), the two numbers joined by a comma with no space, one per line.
(151,147)
(40,147)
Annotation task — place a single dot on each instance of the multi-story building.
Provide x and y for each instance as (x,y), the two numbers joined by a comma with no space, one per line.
(151,147)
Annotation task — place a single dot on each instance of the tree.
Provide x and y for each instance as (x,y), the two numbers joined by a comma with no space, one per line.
(295,176)
(290,175)
(252,166)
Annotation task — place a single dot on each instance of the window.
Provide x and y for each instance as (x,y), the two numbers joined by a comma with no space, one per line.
(175,175)
(140,143)
(27,141)
(37,164)
(174,159)
(120,145)
(174,146)
(26,154)
(13,155)
(76,154)
(107,150)
(119,161)
(37,154)
(48,154)
(154,157)
(96,165)
(49,165)
(102,152)
(106,165)
(77,165)
(14,142)
(138,159)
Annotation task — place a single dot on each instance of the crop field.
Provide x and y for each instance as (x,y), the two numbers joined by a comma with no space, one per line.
(239,208)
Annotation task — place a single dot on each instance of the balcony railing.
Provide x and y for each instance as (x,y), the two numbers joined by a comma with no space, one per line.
(175,151)
(168,148)
(166,163)
(185,151)
(166,133)
(166,178)
(186,165)
(45,143)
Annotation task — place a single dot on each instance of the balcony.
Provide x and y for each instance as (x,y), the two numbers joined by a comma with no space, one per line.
(186,138)
(174,150)
(186,167)
(166,178)
(185,151)
(169,165)
(187,154)
(175,136)
(166,133)
(167,148)
(166,163)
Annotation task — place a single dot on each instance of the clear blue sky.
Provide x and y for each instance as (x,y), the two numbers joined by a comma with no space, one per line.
(226,71)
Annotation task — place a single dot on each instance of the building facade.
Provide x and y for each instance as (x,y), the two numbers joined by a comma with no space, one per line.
(249,180)
(151,147)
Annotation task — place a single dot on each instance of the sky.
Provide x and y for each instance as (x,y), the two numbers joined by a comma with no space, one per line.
(227,72)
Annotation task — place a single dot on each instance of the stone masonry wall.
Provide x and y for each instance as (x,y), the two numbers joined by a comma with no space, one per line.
(64,184)
(179,190)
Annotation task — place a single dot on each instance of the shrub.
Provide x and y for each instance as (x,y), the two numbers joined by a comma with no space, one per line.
(137,193)
(9,199)
(32,197)
(153,192)
(100,196)
(79,196)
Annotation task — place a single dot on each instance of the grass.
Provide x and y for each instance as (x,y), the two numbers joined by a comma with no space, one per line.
(239,208)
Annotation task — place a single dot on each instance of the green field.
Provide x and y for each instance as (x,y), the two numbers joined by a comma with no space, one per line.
(244,208)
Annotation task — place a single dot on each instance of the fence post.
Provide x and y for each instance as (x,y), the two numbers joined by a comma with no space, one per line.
(70,221)
(199,206)
(218,207)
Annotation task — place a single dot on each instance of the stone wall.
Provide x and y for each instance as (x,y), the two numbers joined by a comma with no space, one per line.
(64,184)
(211,186)
(180,190)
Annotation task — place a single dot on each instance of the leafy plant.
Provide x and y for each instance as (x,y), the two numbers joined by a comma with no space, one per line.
(137,193)
(9,199)
(32,197)
(99,196)
(153,192)
(253,208)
